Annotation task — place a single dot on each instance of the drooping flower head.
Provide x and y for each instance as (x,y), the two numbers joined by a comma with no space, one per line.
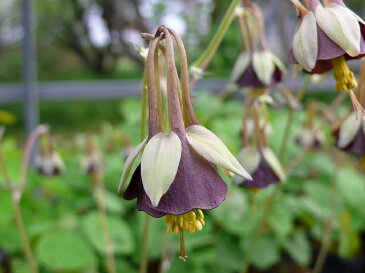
(309,137)
(256,67)
(326,37)
(177,176)
(48,162)
(255,156)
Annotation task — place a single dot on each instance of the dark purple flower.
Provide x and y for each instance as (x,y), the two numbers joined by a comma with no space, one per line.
(258,70)
(263,166)
(350,136)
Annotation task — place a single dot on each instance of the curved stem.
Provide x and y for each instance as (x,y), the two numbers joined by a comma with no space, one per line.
(207,55)
(34,135)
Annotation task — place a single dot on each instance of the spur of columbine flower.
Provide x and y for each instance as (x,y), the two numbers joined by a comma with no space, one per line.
(177,176)
(258,67)
(326,37)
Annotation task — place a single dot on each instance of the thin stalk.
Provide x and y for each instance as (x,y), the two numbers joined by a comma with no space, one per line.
(23,235)
(324,247)
(18,216)
(144,106)
(291,117)
(34,135)
(143,263)
(204,60)
(100,198)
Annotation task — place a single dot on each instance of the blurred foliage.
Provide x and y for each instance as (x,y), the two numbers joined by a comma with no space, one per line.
(63,225)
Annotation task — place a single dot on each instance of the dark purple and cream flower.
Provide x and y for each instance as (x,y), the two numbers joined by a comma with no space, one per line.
(177,176)
(263,166)
(49,164)
(258,69)
(327,36)
(350,136)
(309,138)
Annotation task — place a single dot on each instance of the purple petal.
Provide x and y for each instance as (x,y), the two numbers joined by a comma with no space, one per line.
(250,79)
(262,177)
(357,146)
(196,185)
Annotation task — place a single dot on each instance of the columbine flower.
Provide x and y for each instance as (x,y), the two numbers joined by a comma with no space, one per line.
(177,176)
(263,166)
(350,136)
(258,70)
(49,164)
(309,138)
(258,67)
(325,38)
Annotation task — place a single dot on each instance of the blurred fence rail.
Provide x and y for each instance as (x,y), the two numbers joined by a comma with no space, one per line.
(117,89)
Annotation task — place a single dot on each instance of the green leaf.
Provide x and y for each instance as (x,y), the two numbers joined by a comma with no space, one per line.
(231,213)
(64,251)
(318,199)
(264,253)
(119,231)
(113,202)
(298,247)
(351,189)
(280,219)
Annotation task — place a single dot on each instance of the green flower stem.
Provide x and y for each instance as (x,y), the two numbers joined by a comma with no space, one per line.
(100,198)
(16,195)
(23,235)
(144,107)
(204,60)
(144,259)
(291,117)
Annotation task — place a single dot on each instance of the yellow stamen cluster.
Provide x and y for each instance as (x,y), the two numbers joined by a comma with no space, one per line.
(345,79)
(191,221)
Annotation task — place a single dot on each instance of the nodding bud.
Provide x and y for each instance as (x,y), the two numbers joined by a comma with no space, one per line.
(50,164)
